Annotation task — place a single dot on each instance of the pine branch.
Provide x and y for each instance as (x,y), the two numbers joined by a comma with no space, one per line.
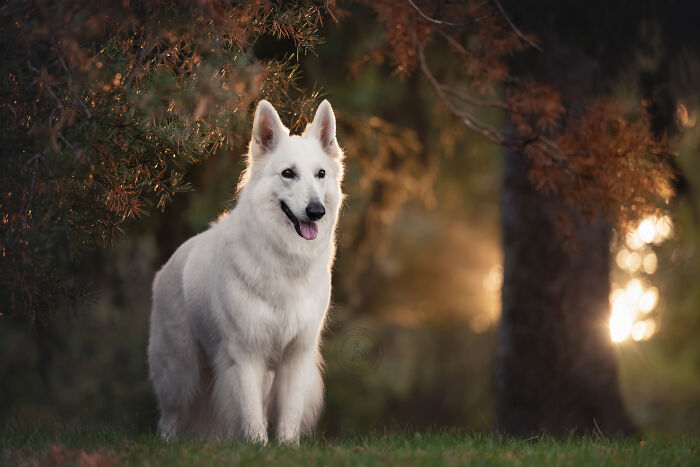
(117,117)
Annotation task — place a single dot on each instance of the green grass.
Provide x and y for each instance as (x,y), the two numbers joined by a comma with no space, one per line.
(80,446)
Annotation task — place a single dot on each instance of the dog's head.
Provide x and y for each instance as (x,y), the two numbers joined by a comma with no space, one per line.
(295,180)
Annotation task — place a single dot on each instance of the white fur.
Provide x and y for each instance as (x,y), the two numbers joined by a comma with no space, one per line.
(238,309)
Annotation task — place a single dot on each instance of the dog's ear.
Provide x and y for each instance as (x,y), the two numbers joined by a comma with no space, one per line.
(267,129)
(323,128)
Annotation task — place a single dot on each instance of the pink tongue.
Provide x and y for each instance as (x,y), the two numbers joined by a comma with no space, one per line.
(309,230)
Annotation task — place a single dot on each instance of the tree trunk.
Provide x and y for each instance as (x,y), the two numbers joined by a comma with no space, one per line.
(557,369)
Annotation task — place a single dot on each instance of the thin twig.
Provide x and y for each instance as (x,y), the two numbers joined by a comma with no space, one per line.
(469,120)
(551,149)
(60,136)
(446,23)
(46,84)
(70,81)
(28,206)
(459,48)
(513,26)
(32,67)
(543,143)
(472,100)
(144,51)
(50,91)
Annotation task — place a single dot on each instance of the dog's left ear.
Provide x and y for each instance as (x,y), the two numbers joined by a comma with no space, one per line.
(323,128)
(267,129)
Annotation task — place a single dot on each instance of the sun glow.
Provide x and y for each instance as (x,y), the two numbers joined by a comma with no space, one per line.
(649,263)
(647,301)
(647,230)
(621,323)
(631,305)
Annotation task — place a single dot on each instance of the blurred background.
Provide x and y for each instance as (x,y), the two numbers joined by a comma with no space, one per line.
(413,331)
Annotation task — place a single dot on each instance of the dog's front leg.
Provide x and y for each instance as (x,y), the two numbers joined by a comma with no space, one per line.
(253,422)
(240,398)
(295,375)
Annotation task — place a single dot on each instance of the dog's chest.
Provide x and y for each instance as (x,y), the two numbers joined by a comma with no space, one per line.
(301,310)
(294,323)
(283,313)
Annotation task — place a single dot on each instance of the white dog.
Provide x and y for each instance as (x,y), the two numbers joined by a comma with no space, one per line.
(238,310)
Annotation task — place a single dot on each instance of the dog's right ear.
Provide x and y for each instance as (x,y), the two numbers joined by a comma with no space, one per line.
(267,129)
(323,128)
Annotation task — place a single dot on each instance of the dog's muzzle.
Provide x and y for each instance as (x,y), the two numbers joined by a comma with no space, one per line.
(307,230)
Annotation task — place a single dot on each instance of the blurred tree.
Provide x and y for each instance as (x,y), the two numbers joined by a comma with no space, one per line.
(180,101)
(577,162)
(105,105)
(557,367)
(557,364)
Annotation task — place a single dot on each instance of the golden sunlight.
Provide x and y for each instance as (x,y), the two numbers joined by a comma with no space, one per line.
(634,262)
(631,305)
(494,279)
(634,241)
(647,230)
(621,321)
(649,263)
(648,300)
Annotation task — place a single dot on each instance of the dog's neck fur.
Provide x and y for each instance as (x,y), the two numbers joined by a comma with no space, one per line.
(272,251)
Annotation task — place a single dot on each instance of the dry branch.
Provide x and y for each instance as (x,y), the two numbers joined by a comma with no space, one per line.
(513,26)
(469,120)
(446,23)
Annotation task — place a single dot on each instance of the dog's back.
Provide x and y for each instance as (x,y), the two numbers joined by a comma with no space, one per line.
(173,352)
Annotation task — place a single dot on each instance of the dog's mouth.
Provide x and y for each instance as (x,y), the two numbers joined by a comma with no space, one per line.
(307,230)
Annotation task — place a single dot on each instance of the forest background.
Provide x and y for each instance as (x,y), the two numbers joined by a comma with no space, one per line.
(413,333)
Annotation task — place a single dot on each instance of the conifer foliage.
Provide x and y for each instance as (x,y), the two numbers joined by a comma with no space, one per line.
(104,107)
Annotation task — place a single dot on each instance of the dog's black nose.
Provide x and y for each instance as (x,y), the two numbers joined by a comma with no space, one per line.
(315,210)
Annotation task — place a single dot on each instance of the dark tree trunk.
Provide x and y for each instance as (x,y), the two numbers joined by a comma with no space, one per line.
(557,370)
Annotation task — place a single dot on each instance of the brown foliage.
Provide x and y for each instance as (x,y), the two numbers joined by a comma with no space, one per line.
(395,168)
(615,167)
(604,160)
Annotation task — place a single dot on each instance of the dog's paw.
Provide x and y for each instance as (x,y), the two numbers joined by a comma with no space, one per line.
(256,435)
(291,443)
(288,439)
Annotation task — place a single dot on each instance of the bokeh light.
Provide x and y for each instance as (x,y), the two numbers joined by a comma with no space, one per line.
(664,229)
(633,262)
(494,279)
(634,241)
(650,263)
(621,322)
(647,301)
(634,290)
(631,305)
(647,230)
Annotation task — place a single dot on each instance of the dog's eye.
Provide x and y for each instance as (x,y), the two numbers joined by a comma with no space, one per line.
(288,173)
(321,173)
